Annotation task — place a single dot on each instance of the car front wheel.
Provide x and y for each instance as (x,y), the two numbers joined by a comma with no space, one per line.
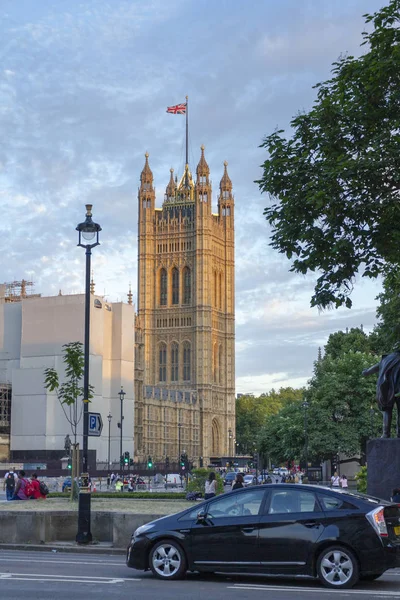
(167,560)
(337,567)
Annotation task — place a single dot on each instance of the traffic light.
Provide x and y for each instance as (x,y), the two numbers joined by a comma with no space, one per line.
(182,462)
(126,458)
(69,464)
(149,463)
(167,462)
(121,460)
(131,462)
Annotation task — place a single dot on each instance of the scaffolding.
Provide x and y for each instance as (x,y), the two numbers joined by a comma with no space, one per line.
(5,408)
(16,291)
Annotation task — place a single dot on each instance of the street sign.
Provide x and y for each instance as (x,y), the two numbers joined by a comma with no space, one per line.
(95,424)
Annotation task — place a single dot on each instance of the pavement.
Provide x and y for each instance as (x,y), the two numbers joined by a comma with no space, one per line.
(58,576)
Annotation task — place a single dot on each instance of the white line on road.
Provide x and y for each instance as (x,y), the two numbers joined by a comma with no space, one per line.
(60,560)
(318,590)
(75,578)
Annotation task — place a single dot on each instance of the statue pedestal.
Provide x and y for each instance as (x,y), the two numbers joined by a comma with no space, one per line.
(383,463)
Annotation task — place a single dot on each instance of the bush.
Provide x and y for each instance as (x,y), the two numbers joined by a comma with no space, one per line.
(127,495)
(361,478)
(198,481)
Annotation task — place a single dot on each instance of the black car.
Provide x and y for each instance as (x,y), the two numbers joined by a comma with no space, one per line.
(229,477)
(337,536)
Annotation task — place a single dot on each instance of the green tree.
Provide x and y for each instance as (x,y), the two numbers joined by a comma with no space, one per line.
(70,394)
(198,481)
(340,342)
(338,414)
(71,390)
(386,334)
(335,184)
(251,413)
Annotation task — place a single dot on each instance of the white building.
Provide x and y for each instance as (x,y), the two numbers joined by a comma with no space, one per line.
(32,334)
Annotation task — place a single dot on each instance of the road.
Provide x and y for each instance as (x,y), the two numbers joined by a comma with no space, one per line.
(62,576)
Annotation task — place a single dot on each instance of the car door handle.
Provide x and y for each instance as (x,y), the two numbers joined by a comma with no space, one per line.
(248,529)
(311,524)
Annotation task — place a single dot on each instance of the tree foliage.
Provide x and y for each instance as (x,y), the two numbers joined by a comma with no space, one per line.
(339,417)
(335,184)
(71,390)
(251,413)
(198,481)
(386,334)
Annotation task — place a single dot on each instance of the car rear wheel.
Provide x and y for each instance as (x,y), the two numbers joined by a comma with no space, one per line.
(337,567)
(167,560)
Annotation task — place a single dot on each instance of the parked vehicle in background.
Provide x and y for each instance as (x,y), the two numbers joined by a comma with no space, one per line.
(229,477)
(249,480)
(173,480)
(338,536)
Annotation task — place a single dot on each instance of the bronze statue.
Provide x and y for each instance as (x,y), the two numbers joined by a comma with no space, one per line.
(388,388)
(67,445)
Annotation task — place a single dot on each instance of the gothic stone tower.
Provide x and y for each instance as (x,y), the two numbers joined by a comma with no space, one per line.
(185,356)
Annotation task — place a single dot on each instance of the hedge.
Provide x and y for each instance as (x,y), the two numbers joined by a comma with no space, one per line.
(128,495)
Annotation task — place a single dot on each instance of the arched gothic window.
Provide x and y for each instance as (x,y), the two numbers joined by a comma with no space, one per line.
(174,361)
(175,286)
(186,361)
(187,286)
(162,363)
(220,291)
(163,287)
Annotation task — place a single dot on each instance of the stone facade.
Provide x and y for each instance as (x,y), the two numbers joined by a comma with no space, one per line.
(185,357)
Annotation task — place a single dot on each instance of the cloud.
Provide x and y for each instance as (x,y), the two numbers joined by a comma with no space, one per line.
(83,91)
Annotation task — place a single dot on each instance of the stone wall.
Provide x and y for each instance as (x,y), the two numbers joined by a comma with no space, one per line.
(47,527)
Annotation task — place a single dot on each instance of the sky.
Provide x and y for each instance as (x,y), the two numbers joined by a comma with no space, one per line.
(84,86)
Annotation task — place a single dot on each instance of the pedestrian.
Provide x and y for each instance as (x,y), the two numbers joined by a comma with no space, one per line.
(335,480)
(112,478)
(19,492)
(35,486)
(396,495)
(343,482)
(10,481)
(238,483)
(108,481)
(210,487)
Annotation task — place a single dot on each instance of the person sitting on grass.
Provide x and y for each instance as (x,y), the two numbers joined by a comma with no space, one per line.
(35,485)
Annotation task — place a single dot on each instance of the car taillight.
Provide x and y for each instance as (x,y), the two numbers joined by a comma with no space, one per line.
(377,519)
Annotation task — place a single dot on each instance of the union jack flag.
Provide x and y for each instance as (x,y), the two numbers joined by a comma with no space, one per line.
(178,109)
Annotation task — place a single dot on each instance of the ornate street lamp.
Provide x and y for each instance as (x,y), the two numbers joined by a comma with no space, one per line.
(109,417)
(305,405)
(88,239)
(121,395)
(230,441)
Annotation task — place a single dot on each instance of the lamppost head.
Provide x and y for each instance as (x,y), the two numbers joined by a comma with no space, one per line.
(88,230)
(109,417)
(305,405)
(121,394)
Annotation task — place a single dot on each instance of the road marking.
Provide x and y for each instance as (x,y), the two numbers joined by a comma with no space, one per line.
(60,577)
(318,590)
(64,562)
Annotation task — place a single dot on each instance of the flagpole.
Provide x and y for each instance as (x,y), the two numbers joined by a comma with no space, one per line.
(187,144)
(187,131)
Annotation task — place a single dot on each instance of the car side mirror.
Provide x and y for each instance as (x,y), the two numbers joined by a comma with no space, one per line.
(201,515)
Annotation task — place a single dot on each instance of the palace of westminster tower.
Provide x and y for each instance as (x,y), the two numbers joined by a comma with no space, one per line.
(184,354)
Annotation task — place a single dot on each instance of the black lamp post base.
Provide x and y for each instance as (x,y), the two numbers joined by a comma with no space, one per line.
(84,535)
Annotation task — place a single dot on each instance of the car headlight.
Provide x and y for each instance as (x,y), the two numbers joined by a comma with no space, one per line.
(143,529)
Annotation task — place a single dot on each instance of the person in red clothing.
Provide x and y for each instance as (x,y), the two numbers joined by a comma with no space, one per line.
(36,489)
